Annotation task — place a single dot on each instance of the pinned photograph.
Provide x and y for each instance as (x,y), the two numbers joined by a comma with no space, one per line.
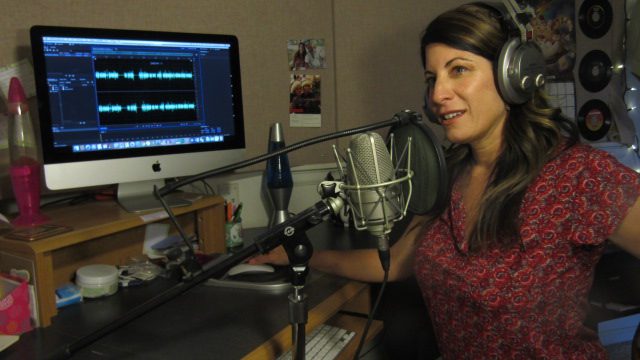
(305,101)
(306,54)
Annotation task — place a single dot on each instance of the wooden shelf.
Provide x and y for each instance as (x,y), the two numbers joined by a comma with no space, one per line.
(102,233)
(327,311)
(357,324)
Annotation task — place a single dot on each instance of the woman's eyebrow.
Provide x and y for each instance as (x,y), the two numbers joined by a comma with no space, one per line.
(448,63)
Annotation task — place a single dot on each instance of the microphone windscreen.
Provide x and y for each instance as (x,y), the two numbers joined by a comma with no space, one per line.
(430,179)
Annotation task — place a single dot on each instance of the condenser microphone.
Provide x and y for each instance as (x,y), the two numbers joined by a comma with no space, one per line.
(374,186)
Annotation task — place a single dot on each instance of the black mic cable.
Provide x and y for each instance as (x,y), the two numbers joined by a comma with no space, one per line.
(374,309)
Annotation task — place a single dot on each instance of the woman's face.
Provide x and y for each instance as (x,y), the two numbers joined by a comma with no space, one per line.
(462,93)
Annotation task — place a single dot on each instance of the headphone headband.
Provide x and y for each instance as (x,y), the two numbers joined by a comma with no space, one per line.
(516,19)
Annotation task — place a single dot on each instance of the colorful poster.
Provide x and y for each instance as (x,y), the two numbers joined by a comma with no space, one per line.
(554,31)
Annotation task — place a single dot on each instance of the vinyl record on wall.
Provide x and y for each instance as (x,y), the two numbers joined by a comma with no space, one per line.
(594,120)
(595,70)
(595,17)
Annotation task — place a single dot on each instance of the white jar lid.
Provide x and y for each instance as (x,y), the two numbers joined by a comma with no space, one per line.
(97,275)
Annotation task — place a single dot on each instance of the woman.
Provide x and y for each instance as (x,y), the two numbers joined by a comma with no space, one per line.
(298,62)
(505,269)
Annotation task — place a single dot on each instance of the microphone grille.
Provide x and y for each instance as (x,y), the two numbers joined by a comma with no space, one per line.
(372,161)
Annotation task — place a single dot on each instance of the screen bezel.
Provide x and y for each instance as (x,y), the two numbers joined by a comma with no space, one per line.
(55,155)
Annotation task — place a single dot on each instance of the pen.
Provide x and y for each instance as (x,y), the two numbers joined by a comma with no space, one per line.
(229,209)
(236,214)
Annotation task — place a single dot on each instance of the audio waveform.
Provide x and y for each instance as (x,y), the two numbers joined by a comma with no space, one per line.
(143,75)
(144,107)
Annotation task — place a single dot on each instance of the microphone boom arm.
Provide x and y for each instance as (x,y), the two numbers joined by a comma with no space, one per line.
(289,232)
(399,118)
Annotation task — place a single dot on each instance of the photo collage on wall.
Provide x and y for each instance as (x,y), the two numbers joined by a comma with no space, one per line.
(581,40)
(554,31)
(305,105)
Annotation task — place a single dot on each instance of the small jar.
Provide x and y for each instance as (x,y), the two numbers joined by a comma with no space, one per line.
(97,280)
(233,236)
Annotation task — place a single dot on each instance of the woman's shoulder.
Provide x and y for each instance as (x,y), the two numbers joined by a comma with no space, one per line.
(585,159)
(584,152)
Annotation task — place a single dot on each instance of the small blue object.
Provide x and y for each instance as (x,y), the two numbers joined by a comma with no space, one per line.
(618,330)
(67,294)
(278,169)
(168,242)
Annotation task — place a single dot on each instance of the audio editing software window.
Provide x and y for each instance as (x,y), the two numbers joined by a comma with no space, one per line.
(119,94)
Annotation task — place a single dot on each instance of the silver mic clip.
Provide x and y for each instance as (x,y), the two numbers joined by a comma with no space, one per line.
(378,183)
(331,191)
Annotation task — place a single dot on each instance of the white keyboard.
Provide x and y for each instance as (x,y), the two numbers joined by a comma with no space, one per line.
(324,343)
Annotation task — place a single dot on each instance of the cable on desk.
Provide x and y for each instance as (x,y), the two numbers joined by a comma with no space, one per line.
(371,313)
(82,197)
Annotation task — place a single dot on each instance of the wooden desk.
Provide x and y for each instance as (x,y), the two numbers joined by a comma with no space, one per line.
(205,321)
(102,233)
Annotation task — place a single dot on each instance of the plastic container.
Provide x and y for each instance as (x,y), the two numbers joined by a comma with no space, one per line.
(97,280)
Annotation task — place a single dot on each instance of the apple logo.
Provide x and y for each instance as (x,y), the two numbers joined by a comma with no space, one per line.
(156,167)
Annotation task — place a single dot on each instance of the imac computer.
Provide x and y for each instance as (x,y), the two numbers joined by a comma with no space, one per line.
(135,108)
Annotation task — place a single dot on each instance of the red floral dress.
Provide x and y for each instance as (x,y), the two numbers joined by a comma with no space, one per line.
(529,300)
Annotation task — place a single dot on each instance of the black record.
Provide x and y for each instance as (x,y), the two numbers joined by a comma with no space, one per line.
(594,120)
(595,70)
(595,17)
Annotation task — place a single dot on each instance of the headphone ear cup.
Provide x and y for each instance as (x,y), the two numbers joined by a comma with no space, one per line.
(520,71)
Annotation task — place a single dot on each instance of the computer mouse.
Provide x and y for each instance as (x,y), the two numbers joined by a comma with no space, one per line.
(245,268)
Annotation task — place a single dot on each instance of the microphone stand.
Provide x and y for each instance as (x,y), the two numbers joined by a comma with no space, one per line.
(290,233)
(299,249)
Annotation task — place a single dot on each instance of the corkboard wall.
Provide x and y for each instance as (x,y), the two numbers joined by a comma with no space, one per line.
(373,68)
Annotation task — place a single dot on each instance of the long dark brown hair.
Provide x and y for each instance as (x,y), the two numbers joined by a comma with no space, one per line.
(534,133)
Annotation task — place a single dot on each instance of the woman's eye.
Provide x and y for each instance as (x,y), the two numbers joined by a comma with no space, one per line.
(459,69)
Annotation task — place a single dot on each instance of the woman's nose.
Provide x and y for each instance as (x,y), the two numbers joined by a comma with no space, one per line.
(440,92)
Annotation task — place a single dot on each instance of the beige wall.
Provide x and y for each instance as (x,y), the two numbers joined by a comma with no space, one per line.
(371,45)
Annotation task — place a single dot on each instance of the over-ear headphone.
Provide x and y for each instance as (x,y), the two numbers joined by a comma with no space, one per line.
(520,66)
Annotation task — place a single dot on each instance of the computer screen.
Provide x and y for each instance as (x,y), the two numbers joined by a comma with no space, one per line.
(135,108)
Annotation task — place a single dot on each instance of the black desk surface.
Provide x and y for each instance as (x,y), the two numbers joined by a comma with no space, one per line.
(204,322)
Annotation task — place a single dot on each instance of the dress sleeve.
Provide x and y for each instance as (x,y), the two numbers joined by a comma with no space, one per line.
(604,191)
